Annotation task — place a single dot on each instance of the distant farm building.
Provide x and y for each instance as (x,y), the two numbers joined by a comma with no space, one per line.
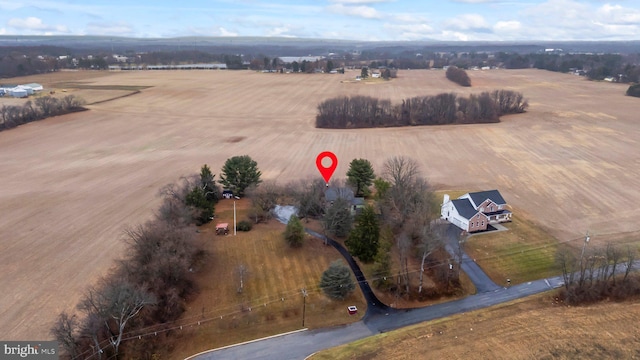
(299,59)
(475,211)
(188,67)
(20,91)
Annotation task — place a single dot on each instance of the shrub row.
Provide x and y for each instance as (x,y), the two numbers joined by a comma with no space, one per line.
(41,108)
(449,108)
(634,90)
(458,76)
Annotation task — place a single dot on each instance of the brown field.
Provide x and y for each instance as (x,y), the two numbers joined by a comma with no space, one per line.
(71,184)
(532,328)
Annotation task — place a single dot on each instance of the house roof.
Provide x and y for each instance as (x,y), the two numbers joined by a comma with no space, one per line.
(481,196)
(333,193)
(464,208)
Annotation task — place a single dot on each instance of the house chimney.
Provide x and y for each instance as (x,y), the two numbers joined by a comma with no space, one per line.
(446,199)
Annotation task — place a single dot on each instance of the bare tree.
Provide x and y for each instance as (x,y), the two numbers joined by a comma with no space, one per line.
(567,262)
(308,196)
(173,209)
(115,302)
(64,331)
(338,220)
(403,242)
(631,255)
(432,238)
(264,198)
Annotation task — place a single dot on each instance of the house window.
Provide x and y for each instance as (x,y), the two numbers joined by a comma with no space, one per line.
(483,223)
(472,224)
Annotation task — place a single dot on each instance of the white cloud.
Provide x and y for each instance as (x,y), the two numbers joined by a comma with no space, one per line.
(410,31)
(506,26)
(3,31)
(224,32)
(466,22)
(616,14)
(454,35)
(34,24)
(366,12)
(572,20)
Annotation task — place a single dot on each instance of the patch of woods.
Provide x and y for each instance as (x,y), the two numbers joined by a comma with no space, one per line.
(634,90)
(150,287)
(458,76)
(598,274)
(448,108)
(40,108)
(391,229)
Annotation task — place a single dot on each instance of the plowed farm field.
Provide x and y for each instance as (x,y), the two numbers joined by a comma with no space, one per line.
(71,184)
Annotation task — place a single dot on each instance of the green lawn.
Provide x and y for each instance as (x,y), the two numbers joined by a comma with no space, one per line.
(523,253)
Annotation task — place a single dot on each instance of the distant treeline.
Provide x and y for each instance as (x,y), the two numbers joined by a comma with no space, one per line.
(458,76)
(448,108)
(41,108)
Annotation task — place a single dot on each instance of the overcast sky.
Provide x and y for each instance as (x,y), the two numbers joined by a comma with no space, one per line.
(492,20)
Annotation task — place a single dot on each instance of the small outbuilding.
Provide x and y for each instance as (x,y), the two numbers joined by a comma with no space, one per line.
(18,92)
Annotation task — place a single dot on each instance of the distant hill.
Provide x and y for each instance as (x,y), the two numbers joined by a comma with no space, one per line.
(304,46)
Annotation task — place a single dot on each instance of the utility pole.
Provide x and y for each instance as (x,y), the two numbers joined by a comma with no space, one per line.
(304,304)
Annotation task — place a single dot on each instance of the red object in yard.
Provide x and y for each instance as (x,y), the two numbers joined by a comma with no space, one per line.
(222,229)
(352,310)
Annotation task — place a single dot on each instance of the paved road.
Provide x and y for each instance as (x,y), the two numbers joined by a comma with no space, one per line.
(299,345)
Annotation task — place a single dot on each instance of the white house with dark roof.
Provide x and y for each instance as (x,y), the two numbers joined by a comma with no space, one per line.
(475,211)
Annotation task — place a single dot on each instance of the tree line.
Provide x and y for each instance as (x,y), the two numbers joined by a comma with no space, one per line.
(151,286)
(447,108)
(597,274)
(458,76)
(38,109)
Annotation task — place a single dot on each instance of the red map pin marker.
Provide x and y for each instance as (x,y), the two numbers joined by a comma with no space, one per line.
(326,172)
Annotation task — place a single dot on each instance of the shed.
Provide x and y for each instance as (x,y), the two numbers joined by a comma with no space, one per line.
(18,92)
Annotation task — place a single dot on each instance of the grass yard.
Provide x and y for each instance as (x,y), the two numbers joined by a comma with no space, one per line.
(271,301)
(523,253)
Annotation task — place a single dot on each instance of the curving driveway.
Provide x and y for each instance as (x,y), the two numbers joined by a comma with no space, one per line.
(379,317)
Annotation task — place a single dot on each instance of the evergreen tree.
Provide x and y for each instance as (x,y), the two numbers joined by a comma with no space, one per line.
(294,233)
(363,240)
(336,281)
(240,172)
(360,175)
